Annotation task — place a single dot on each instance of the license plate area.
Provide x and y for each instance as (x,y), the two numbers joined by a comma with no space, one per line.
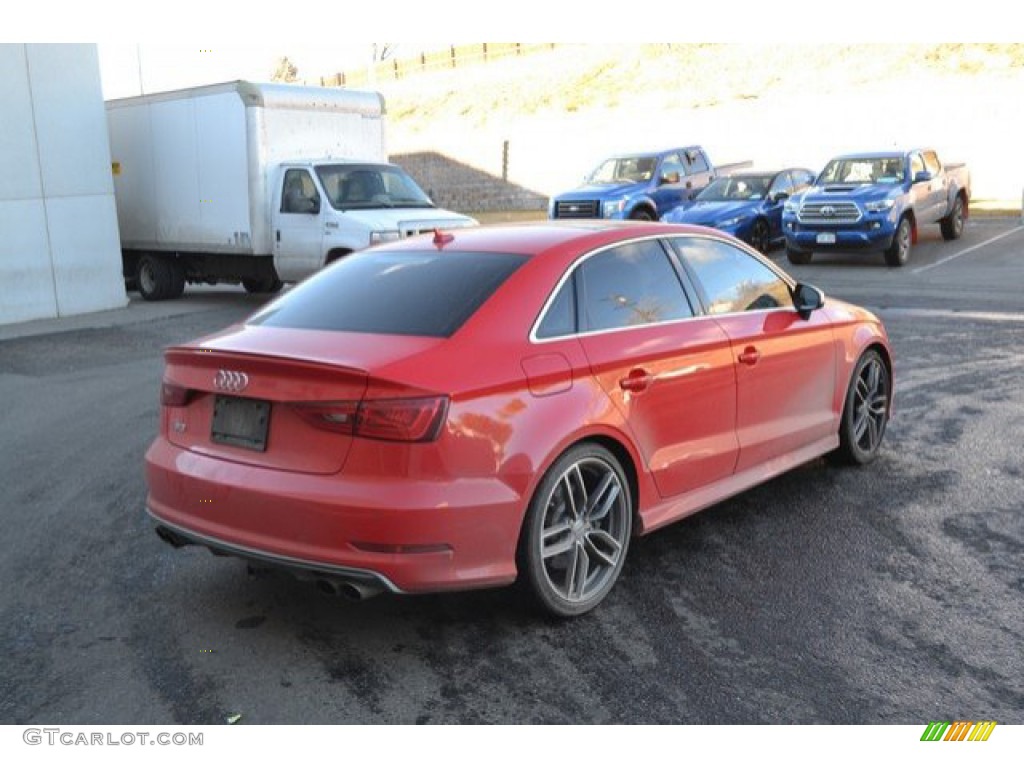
(240,422)
(826,238)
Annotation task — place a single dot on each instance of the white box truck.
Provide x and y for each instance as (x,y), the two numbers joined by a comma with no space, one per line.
(255,183)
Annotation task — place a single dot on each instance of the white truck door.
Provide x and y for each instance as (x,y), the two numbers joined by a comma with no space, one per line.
(298,227)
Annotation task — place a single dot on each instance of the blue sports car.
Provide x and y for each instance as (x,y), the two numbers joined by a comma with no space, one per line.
(747,205)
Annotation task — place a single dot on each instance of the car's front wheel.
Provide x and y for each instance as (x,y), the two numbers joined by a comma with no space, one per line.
(760,236)
(577,531)
(866,410)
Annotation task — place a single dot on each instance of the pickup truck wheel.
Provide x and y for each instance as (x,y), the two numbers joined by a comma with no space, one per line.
(798,257)
(896,255)
(759,236)
(262,285)
(953,225)
(641,214)
(159,278)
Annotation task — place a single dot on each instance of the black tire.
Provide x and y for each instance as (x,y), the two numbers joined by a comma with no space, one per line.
(641,214)
(798,257)
(953,225)
(262,285)
(897,254)
(760,237)
(581,512)
(159,278)
(865,411)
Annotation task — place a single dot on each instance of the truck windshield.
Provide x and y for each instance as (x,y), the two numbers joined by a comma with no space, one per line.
(863,170)
(616,170)
(736,188)
(362,187)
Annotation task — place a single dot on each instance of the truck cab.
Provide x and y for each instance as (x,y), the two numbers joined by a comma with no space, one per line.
(326,209)
(641,186)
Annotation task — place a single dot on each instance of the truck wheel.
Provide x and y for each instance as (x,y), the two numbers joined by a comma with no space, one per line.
(159,278)
(641,214)
(896,255)
(953,225)
(798,257)
(262,285)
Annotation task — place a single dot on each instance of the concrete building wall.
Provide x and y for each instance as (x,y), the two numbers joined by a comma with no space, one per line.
(59,248)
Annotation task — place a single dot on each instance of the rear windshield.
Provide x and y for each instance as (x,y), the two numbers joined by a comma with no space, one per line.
(403,293)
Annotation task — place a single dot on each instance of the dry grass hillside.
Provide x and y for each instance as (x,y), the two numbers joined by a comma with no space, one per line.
(561,109)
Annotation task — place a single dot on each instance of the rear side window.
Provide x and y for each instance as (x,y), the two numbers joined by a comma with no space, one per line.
(402,293)
(630,285)
(732,280)
(560,319)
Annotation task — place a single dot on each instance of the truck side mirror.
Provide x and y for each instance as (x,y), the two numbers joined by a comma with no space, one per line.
(778,197)
(922,176)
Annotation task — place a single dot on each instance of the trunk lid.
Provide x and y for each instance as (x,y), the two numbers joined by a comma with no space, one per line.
(243,387)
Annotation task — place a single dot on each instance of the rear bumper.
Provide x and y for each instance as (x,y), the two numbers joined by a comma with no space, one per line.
(395,533)
(177,536)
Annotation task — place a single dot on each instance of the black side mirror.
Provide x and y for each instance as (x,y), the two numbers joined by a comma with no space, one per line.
(806,299)
(778,197)
(922,176)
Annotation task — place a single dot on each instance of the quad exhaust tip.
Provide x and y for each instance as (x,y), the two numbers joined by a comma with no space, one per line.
(349,590)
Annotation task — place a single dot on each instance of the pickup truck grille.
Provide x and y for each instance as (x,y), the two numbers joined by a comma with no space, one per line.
(577,209)
(829,213)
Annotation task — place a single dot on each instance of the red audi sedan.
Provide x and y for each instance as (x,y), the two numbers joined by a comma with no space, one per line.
(512,402)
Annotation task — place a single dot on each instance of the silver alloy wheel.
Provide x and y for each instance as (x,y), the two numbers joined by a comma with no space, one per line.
(585,530)
(957,219)
(870,405)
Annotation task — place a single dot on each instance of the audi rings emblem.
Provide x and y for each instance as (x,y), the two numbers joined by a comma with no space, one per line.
(230,381)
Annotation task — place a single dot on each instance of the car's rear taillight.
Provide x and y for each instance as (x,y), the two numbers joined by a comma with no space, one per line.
(174,394)
(407,420)
(415,420)
(334,417)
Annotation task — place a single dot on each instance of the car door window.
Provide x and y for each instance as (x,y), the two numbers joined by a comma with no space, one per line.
(299,195)
(732,280)
(783,183)
(931,163)
(802,180)
(631,285)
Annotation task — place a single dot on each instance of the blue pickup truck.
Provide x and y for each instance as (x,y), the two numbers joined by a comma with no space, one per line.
(637,186)
(878,201)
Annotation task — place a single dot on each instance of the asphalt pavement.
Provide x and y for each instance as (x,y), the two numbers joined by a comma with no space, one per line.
(887,594)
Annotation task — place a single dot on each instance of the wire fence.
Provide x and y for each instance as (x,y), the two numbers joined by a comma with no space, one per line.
(453,57)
